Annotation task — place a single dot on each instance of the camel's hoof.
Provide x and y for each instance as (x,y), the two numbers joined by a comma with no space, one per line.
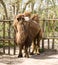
(38,53)
(19,56)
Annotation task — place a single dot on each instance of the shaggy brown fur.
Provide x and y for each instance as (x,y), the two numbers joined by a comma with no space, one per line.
(36,44)
(35,17)
(21,32)
(16,20)
(27,14)
(26,32)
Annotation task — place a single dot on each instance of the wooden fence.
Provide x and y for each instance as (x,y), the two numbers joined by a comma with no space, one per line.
(8,35)
(49,37)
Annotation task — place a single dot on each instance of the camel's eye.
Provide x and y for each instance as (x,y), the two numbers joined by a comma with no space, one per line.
(18,19)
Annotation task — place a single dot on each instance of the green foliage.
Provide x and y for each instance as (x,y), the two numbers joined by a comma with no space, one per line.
(56,29)
(45,9)
(42,9)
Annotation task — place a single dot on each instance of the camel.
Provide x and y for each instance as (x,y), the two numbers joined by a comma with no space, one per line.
(27,30)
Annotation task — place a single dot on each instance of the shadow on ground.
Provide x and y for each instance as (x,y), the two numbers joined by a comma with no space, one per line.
(48,57)
(48,54)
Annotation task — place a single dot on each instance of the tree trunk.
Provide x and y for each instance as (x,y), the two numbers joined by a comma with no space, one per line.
(17,8)
(5,10)
(26,5)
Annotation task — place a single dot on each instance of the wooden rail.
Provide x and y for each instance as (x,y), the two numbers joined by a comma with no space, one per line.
(9,39)
(7,23)
(48,38)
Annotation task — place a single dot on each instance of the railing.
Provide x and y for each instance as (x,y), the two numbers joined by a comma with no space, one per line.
(53,37)
(7,34)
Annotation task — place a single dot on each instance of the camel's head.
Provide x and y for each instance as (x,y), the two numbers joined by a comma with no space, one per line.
(21,28)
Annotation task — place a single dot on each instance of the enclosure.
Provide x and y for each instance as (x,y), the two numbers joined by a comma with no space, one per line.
(48,20)
(9,50)
(7,35)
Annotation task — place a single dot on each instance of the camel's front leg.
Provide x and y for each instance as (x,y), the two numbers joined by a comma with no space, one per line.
(38,46)
(20,51)
(26,52)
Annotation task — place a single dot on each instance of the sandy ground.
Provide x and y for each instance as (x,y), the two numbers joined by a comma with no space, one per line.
(46,58)
(49,57)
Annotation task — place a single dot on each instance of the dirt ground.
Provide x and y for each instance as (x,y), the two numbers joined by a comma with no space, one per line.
(49,57)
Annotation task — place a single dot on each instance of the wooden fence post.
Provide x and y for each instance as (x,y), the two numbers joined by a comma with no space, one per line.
(48,31)
(43,35)
(48,44)
(3,37)
(53,44)
(9,38)
(53,33)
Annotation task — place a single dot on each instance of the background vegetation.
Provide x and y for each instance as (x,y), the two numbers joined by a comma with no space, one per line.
(45,9)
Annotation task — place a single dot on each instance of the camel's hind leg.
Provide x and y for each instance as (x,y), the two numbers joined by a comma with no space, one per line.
(38,43)
(20,51)
(38,46)
(33,47)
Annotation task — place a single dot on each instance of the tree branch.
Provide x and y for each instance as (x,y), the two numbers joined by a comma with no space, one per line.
(4,6)
(26,5)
